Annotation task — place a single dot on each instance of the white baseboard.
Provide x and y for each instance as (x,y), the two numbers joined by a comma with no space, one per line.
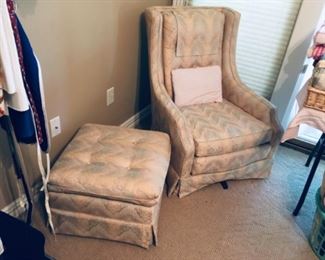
(18,207)
(134,121)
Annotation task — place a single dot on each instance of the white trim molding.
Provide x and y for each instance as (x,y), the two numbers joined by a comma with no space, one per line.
(134,121)
(16,208)
(19,206)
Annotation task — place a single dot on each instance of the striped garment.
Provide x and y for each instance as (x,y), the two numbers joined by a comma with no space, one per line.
(318,51)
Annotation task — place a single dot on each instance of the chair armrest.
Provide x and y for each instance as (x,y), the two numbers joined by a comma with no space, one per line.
(240,95)
(235,91)
(168,118)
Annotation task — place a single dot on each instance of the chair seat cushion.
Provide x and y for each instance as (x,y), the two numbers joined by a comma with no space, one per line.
(116,163)
(220,128)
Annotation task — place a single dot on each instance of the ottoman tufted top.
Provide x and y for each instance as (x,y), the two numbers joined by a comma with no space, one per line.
(113,162)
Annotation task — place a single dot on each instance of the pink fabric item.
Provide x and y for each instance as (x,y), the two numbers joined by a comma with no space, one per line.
(197,85)
(308,116)
(318,51)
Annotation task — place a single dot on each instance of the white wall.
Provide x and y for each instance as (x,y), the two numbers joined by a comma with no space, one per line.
(291,76)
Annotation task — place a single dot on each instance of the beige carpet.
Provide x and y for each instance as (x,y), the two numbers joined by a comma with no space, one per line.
(251,220)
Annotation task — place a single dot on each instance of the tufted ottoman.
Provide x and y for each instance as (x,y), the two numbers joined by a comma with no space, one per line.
(108,183)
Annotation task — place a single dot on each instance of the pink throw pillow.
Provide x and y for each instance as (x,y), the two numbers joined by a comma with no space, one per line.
(197,85)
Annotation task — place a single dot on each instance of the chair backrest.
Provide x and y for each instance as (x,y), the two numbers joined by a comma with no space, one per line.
(193,37)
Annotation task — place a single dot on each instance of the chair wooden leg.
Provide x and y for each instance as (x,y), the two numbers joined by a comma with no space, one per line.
(224,185)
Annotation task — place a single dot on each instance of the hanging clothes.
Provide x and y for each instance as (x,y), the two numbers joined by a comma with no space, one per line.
(13,88)
(29,71)
(34,88)
(2,99)
(9,58)
(23,90)
(317,50)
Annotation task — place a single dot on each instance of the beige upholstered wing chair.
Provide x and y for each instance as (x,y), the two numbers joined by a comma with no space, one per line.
(211,142)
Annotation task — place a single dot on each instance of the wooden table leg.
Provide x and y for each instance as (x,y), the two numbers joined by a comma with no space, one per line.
(313,152)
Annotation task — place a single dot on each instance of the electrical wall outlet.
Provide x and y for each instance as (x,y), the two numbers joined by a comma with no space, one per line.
(55,125)
(110,96)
